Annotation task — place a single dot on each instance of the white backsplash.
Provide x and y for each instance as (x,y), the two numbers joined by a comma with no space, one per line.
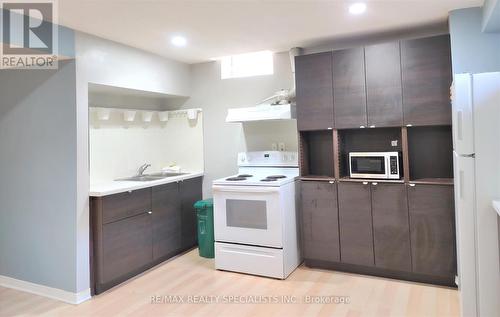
(118,148)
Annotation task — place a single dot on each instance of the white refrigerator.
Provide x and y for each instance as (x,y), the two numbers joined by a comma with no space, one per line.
(476,144)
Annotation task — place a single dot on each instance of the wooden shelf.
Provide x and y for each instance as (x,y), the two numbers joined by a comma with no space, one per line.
(433,181)
(360,180)
(317,178)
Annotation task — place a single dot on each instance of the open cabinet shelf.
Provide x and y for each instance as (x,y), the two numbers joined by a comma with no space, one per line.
(430,155)
(317,155)
(426,153)
(367,140)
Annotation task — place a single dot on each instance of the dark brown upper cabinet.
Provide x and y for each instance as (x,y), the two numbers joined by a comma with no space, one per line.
(356,228)
(320,221)
(314,99)
(432,227)
(383,85)
(349,88)
(166,220)
(427,77)
(391,230)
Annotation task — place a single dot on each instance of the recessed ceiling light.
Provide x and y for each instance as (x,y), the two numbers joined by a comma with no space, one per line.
(179,41)
(357,8)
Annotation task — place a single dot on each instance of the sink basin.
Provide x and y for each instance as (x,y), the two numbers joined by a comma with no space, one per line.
(150,177)
(143,178)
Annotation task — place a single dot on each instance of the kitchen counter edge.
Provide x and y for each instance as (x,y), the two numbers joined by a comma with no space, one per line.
(101,189)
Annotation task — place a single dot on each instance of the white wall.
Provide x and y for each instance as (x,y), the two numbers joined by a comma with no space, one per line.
(224,140)
(114,64)
(118,148)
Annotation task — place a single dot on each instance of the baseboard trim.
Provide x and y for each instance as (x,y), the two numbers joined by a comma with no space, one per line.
(45,291)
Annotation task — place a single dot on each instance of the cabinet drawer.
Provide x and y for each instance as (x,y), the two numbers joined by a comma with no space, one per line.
(249,259)
(124,205)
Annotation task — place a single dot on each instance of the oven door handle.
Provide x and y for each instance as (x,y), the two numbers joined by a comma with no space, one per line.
(246,189)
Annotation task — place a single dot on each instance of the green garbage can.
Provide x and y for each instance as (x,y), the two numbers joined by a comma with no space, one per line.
(205,215)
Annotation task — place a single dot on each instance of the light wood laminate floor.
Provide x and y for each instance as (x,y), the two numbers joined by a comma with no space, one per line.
(190,275)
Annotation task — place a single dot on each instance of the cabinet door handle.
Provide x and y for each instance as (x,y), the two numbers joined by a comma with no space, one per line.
(365,183)
(332,182)
(409,125)
(372,126)
(374,184)
(150,212)
(361,126)
(411,185)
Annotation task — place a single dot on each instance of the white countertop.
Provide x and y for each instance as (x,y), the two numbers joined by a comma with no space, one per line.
(496,205)
(99,189)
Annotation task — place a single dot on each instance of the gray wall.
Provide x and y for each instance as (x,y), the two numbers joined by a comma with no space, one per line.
(472,51)
(38,176)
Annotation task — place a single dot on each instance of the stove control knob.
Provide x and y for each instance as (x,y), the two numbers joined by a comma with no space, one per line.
(242,157)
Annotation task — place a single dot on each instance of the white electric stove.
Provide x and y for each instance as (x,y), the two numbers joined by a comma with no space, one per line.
(255,215)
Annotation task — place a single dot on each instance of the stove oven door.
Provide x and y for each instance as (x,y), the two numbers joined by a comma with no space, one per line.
(248,215)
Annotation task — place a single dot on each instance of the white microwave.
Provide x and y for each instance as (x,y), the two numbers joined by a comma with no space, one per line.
(379,165)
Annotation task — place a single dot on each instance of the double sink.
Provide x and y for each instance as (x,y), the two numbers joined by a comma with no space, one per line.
(150,177)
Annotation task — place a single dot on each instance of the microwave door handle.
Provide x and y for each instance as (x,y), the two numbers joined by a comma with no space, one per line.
(387,166)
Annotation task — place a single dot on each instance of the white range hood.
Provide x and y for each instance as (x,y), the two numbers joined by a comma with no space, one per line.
(259,113)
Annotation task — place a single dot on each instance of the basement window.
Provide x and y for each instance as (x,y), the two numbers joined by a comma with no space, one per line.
(247,65)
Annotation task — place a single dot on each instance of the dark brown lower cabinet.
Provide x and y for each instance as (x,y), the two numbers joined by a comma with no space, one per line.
(432,227)
(126,246)
(356,229)
(320,222)
(166,220)
(133,231)
(191,192)
(391,229)
(385,229)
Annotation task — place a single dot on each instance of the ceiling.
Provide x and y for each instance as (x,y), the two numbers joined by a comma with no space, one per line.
(218,28)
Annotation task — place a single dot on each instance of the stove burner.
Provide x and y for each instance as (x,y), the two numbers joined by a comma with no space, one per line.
(244,175)
(234,179)
(276,176)
(269,180)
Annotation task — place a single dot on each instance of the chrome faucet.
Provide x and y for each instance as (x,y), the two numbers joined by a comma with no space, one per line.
(143,168)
